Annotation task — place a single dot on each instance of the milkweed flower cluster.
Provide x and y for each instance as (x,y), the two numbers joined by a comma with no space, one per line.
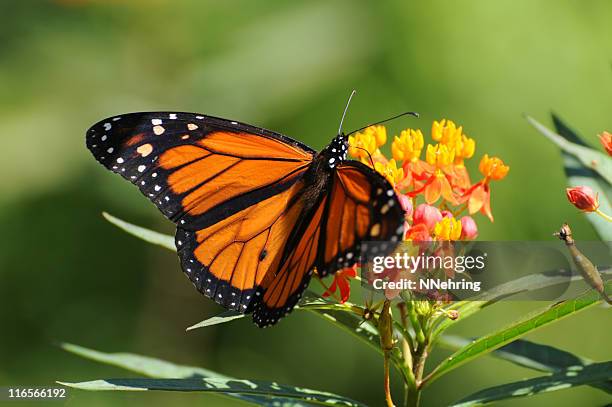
(431,180)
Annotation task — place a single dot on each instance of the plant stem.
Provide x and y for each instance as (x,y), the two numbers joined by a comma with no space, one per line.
(407,352)
(385,331)
(603,215)
(416,325)
(388,398)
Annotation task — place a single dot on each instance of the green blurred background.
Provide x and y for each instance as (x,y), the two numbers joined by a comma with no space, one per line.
(67,275)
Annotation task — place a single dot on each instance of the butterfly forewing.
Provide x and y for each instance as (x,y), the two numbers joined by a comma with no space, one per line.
(197,169)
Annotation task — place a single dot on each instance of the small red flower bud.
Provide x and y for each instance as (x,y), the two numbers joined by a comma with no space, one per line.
(469,230)
(583,198)
(427,215)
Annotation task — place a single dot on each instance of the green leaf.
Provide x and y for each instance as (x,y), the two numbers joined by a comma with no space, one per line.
(220,386)
(527,283)
(147,235)
(171,376)
(531,355)
(526,325)
(564,379)
(141,364)
(589,157)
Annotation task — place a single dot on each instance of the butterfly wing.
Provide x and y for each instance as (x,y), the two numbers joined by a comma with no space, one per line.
(198,169)
(358,208)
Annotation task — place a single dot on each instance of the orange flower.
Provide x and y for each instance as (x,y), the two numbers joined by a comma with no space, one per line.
(583,198)
(418,233)
(440,159)
(342,283)
(478,198)
(493,168)
(606,141)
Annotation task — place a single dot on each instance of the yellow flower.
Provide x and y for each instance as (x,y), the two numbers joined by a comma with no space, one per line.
(464,148)
(445,131)
(493,167)
(448,229)
(408,145)
(370,139)
(440,155)
(390,171)
(379,132)
(361,144)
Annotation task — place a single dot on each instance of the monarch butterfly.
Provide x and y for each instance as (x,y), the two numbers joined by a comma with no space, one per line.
(256,212)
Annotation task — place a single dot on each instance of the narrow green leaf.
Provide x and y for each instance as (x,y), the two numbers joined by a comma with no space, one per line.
(526,325)
(564,379)
(309,300)
(161,369)
(157,368)
(219,386)
(531,355)
(147,235)
(589,157)
(222,318)
(141,364)
(527,283)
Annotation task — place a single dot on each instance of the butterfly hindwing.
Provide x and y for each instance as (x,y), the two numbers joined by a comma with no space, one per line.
(359,208)
(234,260)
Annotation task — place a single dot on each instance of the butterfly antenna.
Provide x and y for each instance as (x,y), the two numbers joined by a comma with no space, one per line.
(345,110)
(415,114)
(367,152)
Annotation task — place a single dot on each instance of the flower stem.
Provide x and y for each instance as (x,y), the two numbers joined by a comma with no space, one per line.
(603,215)
(385,331)
(388,398)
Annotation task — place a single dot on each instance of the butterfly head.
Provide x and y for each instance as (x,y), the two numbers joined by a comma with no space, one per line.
(337,150)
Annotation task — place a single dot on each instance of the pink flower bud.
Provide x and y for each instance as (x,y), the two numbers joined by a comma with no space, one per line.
(406,203)
(469,230)
(428,215)
(447,214)
(582,197)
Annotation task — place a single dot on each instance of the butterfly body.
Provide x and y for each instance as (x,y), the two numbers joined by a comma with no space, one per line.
(256,212)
